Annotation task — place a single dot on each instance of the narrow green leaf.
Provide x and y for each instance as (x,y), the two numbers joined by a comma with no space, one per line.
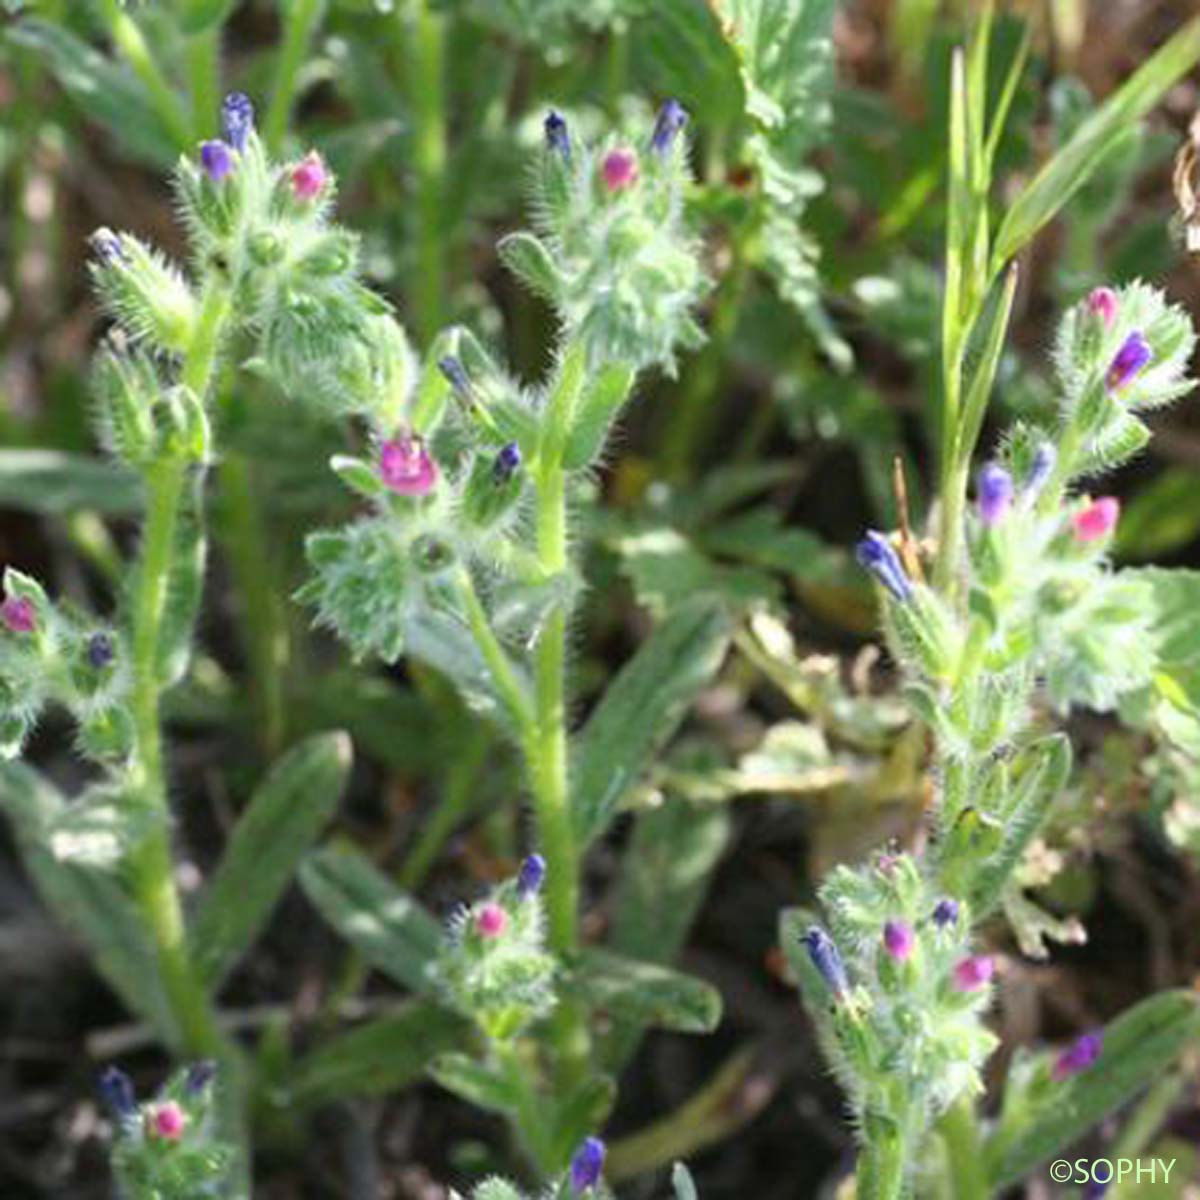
(198,16)
(527,257)
(980,388)
(476,1082)
(383,1056)
(644,992)
(1070,168)
(91,902)
(642,708)
(1044,1118)
(50,481)
(581,1111)
(958,218)
(595,411)
(390,928)
(284,818)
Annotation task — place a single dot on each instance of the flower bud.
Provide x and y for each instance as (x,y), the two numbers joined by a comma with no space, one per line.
(167,1121)
(1044,459)
(199,1076)
(558,136)
(18,614)
(309,177)
(1097,520)
(100,651)
(825,957)
(877,555)
(216,159)
(619,169)
(898,940)
(405,466)
(531,876)
(587,1164)
(237,119)
(1078,1056)
(973,973)
(1102,303)
(491,920)
(455,374)
(945,912)
(672,119)
(106,246)
(116,1090)
(1132,358)
(507,463)
(995,494)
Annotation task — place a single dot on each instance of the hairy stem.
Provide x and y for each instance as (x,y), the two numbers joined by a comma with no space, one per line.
(959,1130)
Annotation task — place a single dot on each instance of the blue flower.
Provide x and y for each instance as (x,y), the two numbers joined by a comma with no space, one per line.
(217,160)
(1044,459)
(237,119)
(995,494)
(531,876)
(587,1164)
(558,136)
(507,463)
(945,912)
(100,650)
(875,553)
(825,957)
(671,121)
(116,1090)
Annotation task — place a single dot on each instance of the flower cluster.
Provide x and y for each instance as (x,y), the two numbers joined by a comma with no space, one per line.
(494,967)
(167,1146)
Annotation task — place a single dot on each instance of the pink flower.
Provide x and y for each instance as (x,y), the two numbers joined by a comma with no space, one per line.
(1098,520)
(491,920)
(898,940)
(406,467)
(18,614)
(1078,1056)
(620,169)
(973,973)
(168,1121)
(309,177)
(1102,303)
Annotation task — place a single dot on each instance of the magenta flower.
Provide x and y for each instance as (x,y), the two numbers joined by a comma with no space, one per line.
(1102,303)
(168,1121)
(309,177)
(1098,520)
(620,169)
(973,973)
(1131,360)
(406,467)
(898,940)
(491,920)
(18,614)
(1078,1056)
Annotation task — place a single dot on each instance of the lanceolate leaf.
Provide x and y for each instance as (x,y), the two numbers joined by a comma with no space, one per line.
(389,927)
(50,481)
(642,709)
(1045,1118)
(284,818)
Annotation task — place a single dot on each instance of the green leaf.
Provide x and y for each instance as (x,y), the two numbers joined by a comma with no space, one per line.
(198,16)
(93,903)
(1071,166)
(1042,1118)
(378,1058)
(102,91)
(476,1082)
(595,411)
(50,481)
(641,710)
(527,257)
(579,1112)
(1162,518)
(643,992)
(391,929)
(285,816)
(357,475)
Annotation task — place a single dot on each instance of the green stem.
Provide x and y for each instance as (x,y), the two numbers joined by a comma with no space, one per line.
(128,38)
(959,1131)
(1147,1119)
(425,68)
(497,661)
(303,18)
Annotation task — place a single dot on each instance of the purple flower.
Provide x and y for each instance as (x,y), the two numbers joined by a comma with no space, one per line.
(671,121)
(100,650)
(107,247)
(406,467)
(507,463)
(945,912)
(898,940)
(587,1164)
(558,136)
(199,1076)
(995,494)
(1078,1056)
(876,553)
(973,973)
(237,119)
(531,876)
(217,160)
(18,614)
(1132,358)
(825,957)
(1044,459)
(116,1090)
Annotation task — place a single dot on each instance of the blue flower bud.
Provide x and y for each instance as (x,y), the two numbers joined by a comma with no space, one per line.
(216,159)
(116,1090)
(558,137)
(587,1164)
(107,247)
(529,880)
(671,121)
(825,957)
(455,374)
(995,494)
(237,119)
(875,553)
(1131,360)
(1044,460)
(507,463)
(100,650)
(945,912)
(199,1076)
